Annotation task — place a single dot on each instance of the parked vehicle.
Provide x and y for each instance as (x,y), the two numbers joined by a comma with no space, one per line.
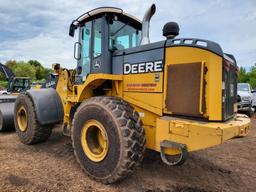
(4,92)
(246,99)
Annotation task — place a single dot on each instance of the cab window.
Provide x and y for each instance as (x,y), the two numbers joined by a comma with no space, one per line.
(86,41)
(97,38)
(122,36)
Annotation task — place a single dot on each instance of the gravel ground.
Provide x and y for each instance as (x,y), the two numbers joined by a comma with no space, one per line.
(51,166)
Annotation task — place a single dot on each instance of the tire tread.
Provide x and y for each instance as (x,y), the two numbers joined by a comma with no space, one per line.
(133,135)
(40,133)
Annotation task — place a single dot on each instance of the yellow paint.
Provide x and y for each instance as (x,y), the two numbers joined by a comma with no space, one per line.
(146,82)
(201,88)
(94,140)
(149,123)
(22,119)
(198,135)
(37,86)
(213,77)
(93,81)
(151,102)
(71,94)
(65,89)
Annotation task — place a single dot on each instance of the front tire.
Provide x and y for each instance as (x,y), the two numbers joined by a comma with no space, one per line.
(106,140)
(27,126)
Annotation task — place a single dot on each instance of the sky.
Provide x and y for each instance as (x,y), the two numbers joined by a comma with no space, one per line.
(38,30)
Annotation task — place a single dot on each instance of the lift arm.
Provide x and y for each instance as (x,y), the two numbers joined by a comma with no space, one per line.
(7,72)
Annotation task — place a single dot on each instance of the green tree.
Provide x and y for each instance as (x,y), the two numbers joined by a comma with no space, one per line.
(3,84)
(41,72)
(2,77)
(32,69)
(252,76)
(247,77)
(24,69)
(35,63)
(242,75)
(11,64)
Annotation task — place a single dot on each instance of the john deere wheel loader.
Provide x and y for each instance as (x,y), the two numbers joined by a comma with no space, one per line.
(127,94)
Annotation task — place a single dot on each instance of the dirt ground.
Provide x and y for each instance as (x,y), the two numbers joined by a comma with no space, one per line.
(51,166)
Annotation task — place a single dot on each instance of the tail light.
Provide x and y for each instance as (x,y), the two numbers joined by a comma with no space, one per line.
(237,71)
(227,65)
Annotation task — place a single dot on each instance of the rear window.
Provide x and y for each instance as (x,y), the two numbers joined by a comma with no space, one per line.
(243,87)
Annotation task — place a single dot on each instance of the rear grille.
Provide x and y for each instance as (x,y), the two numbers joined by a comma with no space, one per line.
(229,90)
(184,90)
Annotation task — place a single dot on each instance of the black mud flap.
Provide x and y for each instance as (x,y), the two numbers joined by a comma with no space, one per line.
(48,105)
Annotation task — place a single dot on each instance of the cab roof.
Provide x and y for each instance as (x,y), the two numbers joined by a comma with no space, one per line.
(105,10)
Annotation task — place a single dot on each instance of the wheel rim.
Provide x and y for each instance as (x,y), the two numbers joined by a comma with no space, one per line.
(22,119)
(94,140)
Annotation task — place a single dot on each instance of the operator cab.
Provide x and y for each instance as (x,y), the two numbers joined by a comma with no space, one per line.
(101,32)
(19,84)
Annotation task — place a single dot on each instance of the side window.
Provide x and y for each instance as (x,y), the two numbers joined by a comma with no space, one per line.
(134,40)
(123,40)
(86,40)
(97,38)
(26,84)
(122,36)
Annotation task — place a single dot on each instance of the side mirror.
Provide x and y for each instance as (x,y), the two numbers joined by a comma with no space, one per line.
(253,91)
(77,50)
(72,29)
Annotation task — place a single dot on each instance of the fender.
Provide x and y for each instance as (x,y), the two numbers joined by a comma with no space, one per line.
(48,105)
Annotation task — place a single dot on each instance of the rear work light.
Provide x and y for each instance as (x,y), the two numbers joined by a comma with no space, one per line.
(227,65)
(237,72)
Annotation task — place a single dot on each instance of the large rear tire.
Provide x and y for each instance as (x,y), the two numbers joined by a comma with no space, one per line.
(27,126)
(107,138)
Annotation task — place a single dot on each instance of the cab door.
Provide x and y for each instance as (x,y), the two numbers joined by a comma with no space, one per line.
(85,40)
(101,55)
(95,55)
(97,46)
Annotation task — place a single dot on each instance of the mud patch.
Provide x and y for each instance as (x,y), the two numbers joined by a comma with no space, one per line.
(51,166)
(188,189)
(17,181)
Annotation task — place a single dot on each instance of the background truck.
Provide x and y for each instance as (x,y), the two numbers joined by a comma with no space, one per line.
(246,99)
(126,94)
(4,92)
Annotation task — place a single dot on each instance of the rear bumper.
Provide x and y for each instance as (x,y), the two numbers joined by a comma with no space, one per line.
(244,106)
(198,135)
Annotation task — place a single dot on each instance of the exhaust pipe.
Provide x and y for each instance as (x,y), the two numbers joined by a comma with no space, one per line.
(145,25)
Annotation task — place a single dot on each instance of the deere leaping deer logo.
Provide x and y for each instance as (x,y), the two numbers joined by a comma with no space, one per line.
(97,64)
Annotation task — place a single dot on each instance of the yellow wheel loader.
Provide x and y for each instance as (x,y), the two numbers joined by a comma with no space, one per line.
(126,94)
